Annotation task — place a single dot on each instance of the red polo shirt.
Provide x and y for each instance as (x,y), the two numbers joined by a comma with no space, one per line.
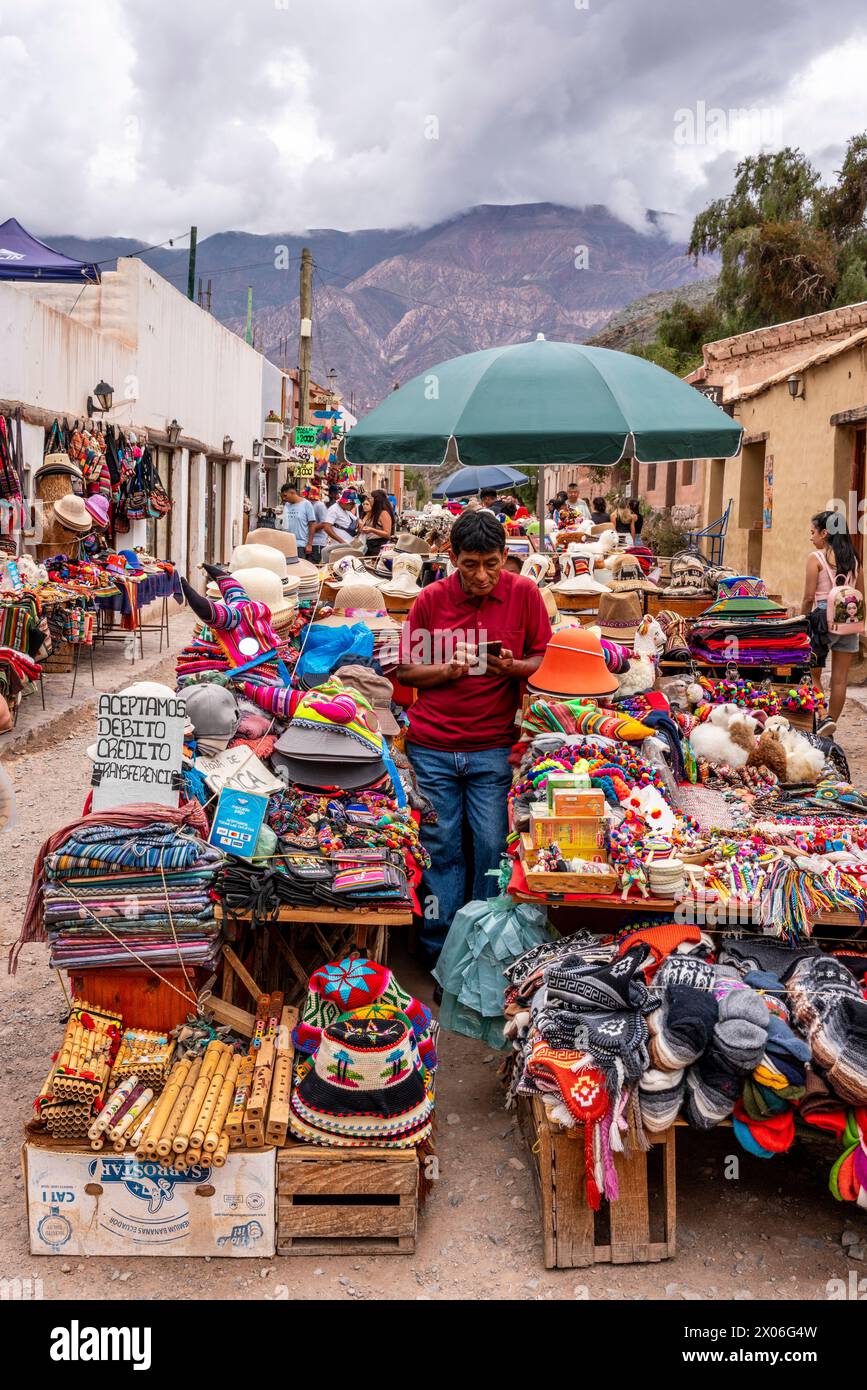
(475,711)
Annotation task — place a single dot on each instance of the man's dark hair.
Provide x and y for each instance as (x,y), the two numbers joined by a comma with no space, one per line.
(477,532)
(488,492)
(508,508)
(290,485)
(599,504)
(572,483)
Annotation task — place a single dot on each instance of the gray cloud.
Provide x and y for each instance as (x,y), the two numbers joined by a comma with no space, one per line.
(131,119)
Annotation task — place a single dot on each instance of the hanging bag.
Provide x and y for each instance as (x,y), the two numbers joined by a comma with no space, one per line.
(844,605)
(55,446)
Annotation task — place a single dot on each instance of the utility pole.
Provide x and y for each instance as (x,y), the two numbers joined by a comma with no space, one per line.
(191,273)
(249,333)
(305,347)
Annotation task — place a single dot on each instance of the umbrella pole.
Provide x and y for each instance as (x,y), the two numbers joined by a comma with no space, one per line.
(540,509)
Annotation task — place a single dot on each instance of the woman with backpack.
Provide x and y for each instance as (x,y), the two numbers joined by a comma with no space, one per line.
(834,604)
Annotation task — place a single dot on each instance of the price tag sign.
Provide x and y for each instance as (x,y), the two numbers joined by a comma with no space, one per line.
(304,436)
(237,822)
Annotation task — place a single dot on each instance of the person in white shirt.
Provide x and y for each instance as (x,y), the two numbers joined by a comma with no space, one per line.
(340,516)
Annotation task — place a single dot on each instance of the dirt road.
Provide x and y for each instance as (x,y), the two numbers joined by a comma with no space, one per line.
(774,1231)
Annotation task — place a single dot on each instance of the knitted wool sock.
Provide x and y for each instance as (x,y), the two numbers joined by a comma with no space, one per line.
(711,1092)
(660,1095)
(741,1034)
(681,1029)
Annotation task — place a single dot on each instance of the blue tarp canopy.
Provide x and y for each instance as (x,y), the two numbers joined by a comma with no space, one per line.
(23,257)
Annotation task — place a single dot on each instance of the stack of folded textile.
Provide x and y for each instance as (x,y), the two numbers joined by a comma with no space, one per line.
(112,896)
(745,626)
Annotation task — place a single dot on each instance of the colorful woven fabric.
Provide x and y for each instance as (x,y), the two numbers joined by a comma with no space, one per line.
(580,717)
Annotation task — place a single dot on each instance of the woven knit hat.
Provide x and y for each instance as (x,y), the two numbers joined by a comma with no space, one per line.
(366,1085)
(331,722)
(742,595)
(689,575)
(619,616)
(628,575)
(71,512)
(573,664)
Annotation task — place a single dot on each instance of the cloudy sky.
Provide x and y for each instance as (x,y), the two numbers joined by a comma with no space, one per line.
(124,118)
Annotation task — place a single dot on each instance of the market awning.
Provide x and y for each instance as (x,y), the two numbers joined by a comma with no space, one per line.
(543,403)
(25,257)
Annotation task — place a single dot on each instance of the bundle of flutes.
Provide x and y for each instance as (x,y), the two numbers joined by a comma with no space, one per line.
(187,1125)
(78,1078)
(148,1055)
(86,1054)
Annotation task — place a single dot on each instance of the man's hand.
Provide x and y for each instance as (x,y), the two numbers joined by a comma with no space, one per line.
(309,548)
(501,665)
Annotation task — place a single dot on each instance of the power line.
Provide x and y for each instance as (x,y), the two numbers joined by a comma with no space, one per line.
(156,247)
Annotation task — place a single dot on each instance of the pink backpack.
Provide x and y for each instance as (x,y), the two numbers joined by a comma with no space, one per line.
(844,605)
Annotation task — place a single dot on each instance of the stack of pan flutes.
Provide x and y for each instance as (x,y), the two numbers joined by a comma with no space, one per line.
(179,1113)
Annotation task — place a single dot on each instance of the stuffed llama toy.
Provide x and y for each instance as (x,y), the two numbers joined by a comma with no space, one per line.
(728,735)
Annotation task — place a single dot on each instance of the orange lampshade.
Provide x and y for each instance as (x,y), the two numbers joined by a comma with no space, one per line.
(573,664)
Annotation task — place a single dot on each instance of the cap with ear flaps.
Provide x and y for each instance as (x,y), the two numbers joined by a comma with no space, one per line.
(573,664)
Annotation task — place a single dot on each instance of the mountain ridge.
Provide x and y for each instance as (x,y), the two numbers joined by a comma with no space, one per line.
(390,303)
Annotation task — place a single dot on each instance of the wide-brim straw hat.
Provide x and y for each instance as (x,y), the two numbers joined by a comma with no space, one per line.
(619,616)
(573,664)
(358,595)
(408,544)
(263,586)
(351,569)
(50,470)
(404,577)
(71,512)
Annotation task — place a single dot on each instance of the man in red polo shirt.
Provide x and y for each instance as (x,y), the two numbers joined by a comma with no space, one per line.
(467,647)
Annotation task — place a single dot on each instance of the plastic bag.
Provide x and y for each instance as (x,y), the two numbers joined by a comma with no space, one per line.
(326,648)
(484,938)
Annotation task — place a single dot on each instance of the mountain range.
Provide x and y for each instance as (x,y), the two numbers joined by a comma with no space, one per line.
(391,304)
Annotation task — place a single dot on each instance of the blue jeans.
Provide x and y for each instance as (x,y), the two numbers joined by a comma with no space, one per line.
(467,785)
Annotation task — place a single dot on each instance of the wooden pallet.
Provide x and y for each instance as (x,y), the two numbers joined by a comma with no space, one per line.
(346,1201)
(639,1228)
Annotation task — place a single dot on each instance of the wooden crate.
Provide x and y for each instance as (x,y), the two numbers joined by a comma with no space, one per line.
(539,881)
(346,1201)
(640,1227)
(142,999)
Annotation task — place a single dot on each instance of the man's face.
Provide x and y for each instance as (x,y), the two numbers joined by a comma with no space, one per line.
(572,493)
(479,570)
(291,496)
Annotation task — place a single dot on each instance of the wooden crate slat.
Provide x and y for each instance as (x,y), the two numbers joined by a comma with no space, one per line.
(342,1220)
(620,1233)
(342,1201)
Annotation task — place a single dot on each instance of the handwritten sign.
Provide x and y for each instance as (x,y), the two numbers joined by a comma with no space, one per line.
(240,769)
(237,822)
(139,747)
(304,436)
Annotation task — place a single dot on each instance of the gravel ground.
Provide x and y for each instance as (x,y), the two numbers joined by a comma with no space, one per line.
(772,1232)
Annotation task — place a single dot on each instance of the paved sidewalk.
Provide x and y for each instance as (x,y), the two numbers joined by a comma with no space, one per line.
(113,670)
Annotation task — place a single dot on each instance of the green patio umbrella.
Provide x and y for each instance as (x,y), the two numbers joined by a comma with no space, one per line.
(543,403)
